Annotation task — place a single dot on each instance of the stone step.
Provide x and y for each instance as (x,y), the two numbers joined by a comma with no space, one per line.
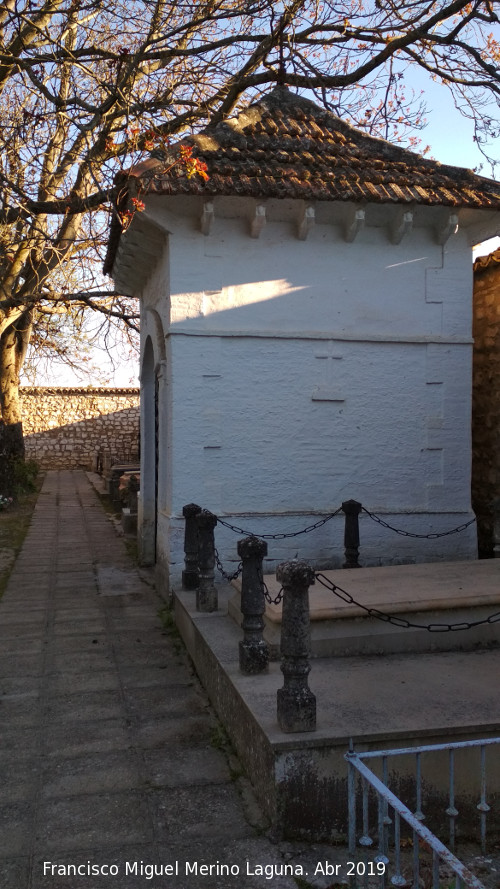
(431,593)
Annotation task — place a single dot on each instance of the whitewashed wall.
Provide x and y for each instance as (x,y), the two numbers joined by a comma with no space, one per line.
(303,373)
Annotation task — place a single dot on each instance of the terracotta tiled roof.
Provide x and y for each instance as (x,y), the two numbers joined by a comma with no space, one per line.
(485,262)
(285,146)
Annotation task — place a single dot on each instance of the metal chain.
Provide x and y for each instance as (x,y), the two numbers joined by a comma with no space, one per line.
(401,621)
(433,536)
(280,536)
(267,595)
(227,577)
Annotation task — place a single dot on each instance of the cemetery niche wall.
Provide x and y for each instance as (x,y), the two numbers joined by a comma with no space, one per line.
(306,337)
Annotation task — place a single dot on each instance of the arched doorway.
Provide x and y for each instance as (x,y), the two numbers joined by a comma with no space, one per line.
(149,457)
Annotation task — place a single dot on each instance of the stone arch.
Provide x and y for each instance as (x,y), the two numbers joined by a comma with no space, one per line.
(154,438)
(159,336)
(149,461)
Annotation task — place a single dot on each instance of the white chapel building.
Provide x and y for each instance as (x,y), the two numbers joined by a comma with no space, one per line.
(306,338)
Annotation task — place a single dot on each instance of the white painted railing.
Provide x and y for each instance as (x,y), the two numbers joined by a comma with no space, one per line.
(391,810)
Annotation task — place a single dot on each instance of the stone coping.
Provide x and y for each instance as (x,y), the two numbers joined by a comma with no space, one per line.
(396,589)
(79,390)
(432,694)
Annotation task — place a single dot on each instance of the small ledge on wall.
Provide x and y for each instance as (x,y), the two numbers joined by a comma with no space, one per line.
(324,393)
(258,221)
(396,223)
(402,226)
(450,228)
(207,217)
(306,223)
(355,224)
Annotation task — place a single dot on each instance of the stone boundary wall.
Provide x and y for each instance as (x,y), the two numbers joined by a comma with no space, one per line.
(486,397)
(65,427)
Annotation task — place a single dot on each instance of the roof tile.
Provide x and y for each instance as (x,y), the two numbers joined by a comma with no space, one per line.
(286,137)
(286,146)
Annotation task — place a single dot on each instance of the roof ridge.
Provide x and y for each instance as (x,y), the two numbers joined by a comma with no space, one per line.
(281,96)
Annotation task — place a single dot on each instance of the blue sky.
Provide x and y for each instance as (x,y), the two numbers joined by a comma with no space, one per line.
(448,132)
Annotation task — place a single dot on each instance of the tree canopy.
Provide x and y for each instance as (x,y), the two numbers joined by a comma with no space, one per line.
(84,85)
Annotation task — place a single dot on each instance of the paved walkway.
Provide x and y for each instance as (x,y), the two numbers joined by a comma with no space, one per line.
(109,752)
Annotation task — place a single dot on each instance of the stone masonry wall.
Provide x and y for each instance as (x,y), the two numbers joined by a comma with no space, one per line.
(486,397)
(65,427)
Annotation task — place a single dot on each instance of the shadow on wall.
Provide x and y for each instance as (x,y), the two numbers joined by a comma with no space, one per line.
(65,428)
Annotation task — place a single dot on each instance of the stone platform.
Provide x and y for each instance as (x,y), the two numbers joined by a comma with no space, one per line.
(440,593)
(377,702)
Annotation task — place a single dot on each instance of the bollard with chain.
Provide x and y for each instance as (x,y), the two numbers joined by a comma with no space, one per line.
(191,573)
(296,702)
(351,509)
(254,653)
(133,490)
(496,528)
(206,594)
(106,462)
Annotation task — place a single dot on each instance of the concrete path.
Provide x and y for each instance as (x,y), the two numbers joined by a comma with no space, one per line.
(110,759)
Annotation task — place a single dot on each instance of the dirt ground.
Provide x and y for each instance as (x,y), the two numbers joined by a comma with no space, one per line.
(14,523)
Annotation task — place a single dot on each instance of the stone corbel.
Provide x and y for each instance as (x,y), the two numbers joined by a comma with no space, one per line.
(448,229)
(402,226)
(306,223)
(355,223)
(259,220)
(207,217)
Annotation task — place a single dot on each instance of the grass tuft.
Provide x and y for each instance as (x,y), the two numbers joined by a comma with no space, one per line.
(14,523)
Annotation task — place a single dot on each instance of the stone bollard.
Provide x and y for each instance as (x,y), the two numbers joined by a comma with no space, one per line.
(206,594)
(191,573)
(113,484)
(106,462)
(133,488)
(296,702)
(254,653)
(352,510)
(496,528)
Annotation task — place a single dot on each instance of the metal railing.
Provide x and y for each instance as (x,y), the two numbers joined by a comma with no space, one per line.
(388,858)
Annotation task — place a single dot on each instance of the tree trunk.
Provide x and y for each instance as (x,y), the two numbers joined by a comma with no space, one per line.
(13,345)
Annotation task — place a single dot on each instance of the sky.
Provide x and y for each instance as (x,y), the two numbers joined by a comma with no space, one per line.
(450,137)
(449,134)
